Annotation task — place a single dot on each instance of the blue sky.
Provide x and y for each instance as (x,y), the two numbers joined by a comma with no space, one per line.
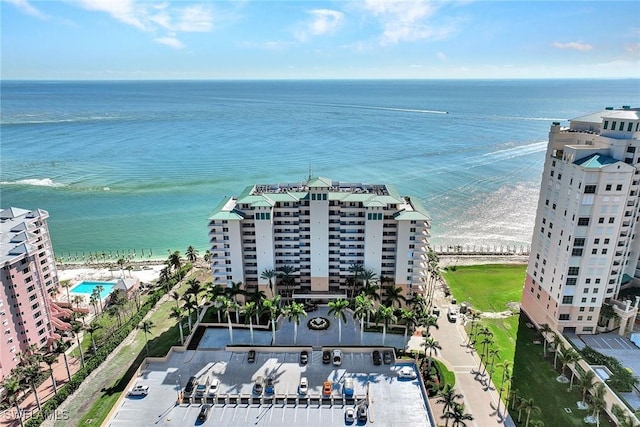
(164,39)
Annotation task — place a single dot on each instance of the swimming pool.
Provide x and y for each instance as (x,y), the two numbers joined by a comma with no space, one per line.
(86,288)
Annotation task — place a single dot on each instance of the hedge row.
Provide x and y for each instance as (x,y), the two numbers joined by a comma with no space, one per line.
(621,380)
(49,408)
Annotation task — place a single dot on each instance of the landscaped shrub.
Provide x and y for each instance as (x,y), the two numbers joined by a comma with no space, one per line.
(621,379)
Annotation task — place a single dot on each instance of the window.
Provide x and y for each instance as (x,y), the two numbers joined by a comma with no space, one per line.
(597,280)
(612,220)
(630,127)
(593,300)
(606,241)
(573,271)
(601,220)
(579,318)
(594,252)
(564,317)
(619,187)
(576,252)
(589,189)
(583,300)
(571,281)
(567,299)
(587,328)
(581,309)
(579,241)
(595,290)
(621,126)
(584,221)
(606,124)
(604,251)
(608,187)
(613,125)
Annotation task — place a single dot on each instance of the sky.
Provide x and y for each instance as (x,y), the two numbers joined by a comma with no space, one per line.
(364,39)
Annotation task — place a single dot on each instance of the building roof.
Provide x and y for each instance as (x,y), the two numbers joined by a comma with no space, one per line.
(595,161)
(226,211)
(319,182)
(624,114)
(15,226)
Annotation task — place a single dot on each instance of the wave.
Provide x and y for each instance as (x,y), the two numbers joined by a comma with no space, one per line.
(519,150)
(45,182)
(18,121)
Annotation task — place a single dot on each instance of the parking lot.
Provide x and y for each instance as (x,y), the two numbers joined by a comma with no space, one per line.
(390,401)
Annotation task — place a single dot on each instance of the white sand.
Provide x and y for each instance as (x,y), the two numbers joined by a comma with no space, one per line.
(78,274)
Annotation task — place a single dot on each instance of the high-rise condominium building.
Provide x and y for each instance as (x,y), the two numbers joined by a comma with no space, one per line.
(321,228)
(586,249)
(29,279)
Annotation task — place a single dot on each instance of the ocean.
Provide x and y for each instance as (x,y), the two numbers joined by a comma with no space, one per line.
(138,166)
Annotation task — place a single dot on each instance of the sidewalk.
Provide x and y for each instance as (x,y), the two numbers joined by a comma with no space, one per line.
(480,395)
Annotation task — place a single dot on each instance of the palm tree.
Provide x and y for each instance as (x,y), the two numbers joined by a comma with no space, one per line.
(177,313)
(293,312)
(146,326)
(537,423)
(50,359)
(430,345)
(233,291)
(544,329)
(475,317)
(213,292)
(370,289)
(363,308)
(191,254)
(174,261)
(269,275)
(338,308)
(410,320)
(597,401)
(491,357)
(77,299)
(586,383)
(60,347)
(356,269)
(429,322)
(121,262)
(249,310)
(273,306)
(570,357)
(528,406)
(176,297)
(506,376)
(226,305)
(393,295)
(66,285)
(191,306)
(76,327)
(11,385)
(448,397)
(165,276)
(385,315)
(194,288)
(92,328)
(31,373)
(287,277)
(207,256)
(458,415)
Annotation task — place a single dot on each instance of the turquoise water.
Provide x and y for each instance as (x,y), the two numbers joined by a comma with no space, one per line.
(88,287)
(139,166)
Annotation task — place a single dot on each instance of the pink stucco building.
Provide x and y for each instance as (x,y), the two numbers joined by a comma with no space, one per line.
(29,279)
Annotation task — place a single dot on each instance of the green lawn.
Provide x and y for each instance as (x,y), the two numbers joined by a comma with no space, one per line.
(487,287)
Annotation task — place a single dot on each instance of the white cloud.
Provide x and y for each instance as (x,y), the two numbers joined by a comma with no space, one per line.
(442,57)
(154,18)
(323,21)
(583,47)
(27,8)
(633,49)
(169,41)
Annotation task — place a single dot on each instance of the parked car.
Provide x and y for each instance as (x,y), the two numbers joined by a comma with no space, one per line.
(337,357)
(327,388)
(269,388)
(304,357)
(214,387)
(258,386)
(377,359)
(139,390)
(201,388)
(387,357)
(252,356)
(204,413)
(362,413)
(326,356)
(191,384)
(303,387)
(407,372)
(348,387)
(349,415)
(452,313)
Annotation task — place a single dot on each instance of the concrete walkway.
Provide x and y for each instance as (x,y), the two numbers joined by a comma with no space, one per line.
(480,395)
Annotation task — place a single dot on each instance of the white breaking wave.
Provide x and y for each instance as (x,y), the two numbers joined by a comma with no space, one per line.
(45,182)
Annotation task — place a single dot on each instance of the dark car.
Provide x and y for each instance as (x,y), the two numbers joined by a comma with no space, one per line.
(188,389)
(204,413)
(326,356)
(362,413)
(377,359)
(269,388)
(252,356)
(304,357)
(387,357)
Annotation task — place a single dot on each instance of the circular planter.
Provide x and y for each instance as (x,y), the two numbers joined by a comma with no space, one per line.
(318,323)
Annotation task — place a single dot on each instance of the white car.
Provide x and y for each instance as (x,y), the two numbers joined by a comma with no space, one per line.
(139,390)
(407,372)
(337,357)
(214,387)
(303,388)
(349,415)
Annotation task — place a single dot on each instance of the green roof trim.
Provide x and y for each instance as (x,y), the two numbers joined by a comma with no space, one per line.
(219,213)
(626,279)
(410,215)
(596,161)
(320,182)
